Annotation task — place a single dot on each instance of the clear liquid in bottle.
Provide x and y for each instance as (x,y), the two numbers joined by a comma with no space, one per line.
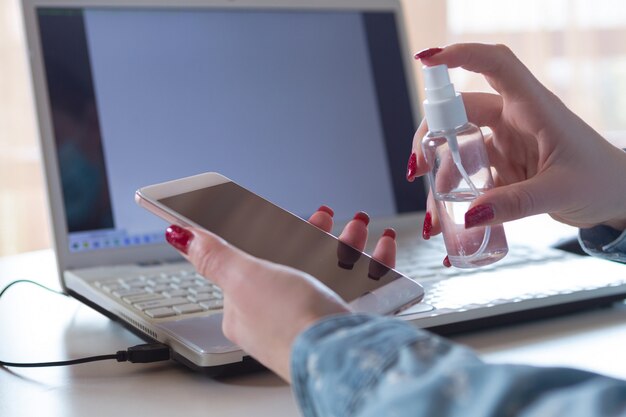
(468,248)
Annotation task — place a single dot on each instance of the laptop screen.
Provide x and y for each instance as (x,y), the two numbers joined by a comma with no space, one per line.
(302,107)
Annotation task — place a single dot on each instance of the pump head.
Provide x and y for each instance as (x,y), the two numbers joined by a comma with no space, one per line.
(443,106)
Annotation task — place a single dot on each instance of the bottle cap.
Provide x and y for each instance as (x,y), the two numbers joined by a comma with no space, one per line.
(443,107)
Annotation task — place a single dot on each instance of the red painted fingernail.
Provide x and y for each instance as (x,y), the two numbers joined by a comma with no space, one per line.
(428,226)
(326,209)
(446,262)
(361,215)
(390,233)
(179,238)
(478,215)
(411,167)
(427,53)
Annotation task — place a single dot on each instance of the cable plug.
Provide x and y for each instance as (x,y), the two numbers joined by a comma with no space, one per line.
(147,353)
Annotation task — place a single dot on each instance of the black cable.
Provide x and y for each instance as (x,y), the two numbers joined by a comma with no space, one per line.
(59,363)
(146,353)
(27,281)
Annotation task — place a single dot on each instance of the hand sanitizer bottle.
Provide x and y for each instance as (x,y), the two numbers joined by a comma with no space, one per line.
(459,172)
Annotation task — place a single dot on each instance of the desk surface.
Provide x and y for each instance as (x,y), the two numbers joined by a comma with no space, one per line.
(39,326)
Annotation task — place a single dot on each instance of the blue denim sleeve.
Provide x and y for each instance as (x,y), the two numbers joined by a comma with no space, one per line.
(362,366)
(604,242)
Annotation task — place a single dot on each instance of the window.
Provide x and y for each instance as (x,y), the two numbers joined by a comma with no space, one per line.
(23,216)
(574,47)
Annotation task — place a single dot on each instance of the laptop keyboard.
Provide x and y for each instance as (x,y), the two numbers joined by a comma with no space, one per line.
(180,291)
(425,262)
(456,289)
(162,295)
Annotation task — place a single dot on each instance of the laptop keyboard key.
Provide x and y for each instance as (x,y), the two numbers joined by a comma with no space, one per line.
(158,288)
(196,298)
(188,308)
(158,313)
(212,304)
(166,302)
(201,290)
(128,292)
(142,297)
(112,287)
(175,293)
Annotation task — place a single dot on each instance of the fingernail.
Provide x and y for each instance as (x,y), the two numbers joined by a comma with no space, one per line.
(428,226)
(411,167)
(179,238)
(390,233)
(361,215)
(326,209)
(478,215)
(446,262)
(427,53)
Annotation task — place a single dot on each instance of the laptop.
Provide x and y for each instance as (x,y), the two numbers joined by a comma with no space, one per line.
(305,102)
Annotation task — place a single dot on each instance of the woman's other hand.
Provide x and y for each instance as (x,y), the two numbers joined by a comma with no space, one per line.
(546,159)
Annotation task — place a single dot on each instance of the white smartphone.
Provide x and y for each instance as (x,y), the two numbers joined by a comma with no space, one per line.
(261,228)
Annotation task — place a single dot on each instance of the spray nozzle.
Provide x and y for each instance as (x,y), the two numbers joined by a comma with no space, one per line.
(443,107)
(437,84)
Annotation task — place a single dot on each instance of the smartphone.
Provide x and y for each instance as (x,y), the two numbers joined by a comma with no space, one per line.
(262,229)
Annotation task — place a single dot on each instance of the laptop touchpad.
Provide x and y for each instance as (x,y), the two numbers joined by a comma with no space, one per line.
(204,333)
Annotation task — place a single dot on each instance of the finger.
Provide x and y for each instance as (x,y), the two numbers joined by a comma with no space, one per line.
(417,165)
(537,195)
(385,250)
(431,210)
(323,218)
(212,256)
(502,69)
(355,232)
(483,109)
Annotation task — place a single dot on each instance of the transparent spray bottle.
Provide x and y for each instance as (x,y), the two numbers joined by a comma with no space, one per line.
(459,172)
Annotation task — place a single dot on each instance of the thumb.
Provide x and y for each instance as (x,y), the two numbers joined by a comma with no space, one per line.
(512,202)
(213,257)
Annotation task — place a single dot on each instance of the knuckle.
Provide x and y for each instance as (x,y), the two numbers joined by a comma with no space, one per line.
(209,260)
(522,203)
(504,50)
(505,57)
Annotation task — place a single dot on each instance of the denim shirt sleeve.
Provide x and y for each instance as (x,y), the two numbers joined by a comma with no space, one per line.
(360,365)
(604,242)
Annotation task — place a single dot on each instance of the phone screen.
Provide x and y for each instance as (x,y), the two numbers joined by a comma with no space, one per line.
(265,230)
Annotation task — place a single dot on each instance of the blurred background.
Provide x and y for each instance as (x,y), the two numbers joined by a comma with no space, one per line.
(575,47)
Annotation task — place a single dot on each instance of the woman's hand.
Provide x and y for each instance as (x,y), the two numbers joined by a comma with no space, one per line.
(267,305)
(546,159)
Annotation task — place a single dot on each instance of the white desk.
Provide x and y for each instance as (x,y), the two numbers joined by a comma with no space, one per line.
(39,326)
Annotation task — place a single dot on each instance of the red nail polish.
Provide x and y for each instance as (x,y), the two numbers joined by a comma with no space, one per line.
(428,226)
(478,215)
(390,233)
(361,215)
(326,209)
(411,167)
(446,262)
(427,53)
(179,238)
